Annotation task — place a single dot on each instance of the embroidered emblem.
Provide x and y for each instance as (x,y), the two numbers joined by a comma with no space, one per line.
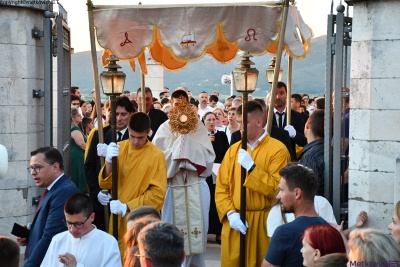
(183,232)
(196,232)
(248,38)
(222,46)
(188,39)
(126,40)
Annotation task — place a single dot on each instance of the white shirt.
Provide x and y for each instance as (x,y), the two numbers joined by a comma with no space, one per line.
(220,128)
(310,108)
(322,207)
(95,123)
(96,248)
(55,181)
(220,105)
(258,141)
(123,132)
(228,134)
(201,111)
(277,116)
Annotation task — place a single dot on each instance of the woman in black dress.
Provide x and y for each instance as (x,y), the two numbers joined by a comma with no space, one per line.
(220,144)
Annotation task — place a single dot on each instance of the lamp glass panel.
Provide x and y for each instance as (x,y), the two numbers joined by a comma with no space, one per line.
(118,82)
(270,75)
(252,80)
(238,79)
(280,75)
(106,83)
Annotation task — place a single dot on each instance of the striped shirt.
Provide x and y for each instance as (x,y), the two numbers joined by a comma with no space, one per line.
(313,158)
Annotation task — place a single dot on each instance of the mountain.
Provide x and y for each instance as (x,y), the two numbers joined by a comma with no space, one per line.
(205,74)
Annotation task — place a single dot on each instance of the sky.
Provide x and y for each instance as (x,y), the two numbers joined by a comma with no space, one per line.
(313,12)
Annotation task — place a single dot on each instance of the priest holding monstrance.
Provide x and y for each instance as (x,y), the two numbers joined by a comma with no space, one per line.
(190,157)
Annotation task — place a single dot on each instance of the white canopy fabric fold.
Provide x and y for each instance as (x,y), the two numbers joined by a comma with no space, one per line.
(183,34)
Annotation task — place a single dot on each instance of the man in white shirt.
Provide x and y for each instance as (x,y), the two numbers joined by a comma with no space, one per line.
(74,248)
(219,104)
(203,107)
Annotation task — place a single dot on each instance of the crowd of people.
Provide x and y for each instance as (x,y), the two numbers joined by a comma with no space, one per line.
(179,165)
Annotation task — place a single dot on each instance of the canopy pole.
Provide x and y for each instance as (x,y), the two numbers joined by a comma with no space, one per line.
(97,92)
(289,93)
(243,179)
(143,91)
(277,65)
(114,168)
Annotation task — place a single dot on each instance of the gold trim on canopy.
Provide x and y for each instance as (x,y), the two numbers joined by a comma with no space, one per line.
(177,35)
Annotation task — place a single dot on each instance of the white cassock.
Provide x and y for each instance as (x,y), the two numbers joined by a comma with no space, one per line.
(321,205)
(95,249)
(190,158)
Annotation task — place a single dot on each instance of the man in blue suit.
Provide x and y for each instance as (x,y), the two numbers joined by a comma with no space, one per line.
(47,170)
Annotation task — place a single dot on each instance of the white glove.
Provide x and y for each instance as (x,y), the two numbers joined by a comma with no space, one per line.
(117,207)
(290,130)
(102,150)
(236,223)
(103,198)
(245,159)
(112,151)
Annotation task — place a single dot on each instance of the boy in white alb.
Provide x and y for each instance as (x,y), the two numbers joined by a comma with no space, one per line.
(83,245)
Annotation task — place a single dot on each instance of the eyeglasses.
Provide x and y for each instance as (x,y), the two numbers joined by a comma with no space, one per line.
(78,225)
(203,91)
(36,168)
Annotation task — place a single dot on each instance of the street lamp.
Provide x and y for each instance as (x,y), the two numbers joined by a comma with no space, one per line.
(271,70)
(245,81)
(112,82)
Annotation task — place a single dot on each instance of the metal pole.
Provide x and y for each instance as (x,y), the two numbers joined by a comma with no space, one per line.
(345,96)
(97,91)
(289,93)
(113,102)
(231,84)
(337,111)
(328,156)
(277,65)
(48,80)
(143,91)
(243,179)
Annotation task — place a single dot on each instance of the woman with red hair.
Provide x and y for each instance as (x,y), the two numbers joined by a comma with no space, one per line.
(320,240)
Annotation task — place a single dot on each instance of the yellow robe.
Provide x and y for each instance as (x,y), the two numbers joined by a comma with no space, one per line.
(89,139)
(270,156)
(142,181)
(299,151)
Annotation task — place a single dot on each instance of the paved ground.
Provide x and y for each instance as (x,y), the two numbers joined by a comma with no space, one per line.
(213,254)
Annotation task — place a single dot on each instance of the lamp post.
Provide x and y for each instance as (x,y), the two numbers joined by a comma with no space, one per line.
(112,82)
(245,81)
(271,71)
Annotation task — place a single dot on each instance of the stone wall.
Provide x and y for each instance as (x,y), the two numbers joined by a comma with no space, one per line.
(375,111)
(21,120)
